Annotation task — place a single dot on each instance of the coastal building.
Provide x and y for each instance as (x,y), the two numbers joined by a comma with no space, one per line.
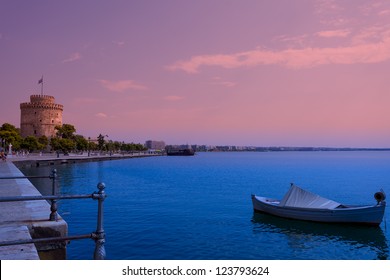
(155,145)
(40,116)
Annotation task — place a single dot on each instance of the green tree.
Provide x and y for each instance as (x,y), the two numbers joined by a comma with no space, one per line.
(67,145)
(81,143)
(43,141)
(30,143)
(137,147)
(9,134)
(92,146)
(117,145)
(65,139)
(64,145)
(128,147)
(109,146)
(101,142)
(66,131)
(55,143)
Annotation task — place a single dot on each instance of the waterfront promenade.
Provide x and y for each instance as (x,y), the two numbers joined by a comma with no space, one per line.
(53,159)
(25,220)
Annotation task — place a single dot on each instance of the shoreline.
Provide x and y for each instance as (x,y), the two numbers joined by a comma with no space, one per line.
(37,160)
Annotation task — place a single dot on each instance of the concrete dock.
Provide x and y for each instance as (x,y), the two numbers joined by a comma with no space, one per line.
(26,220)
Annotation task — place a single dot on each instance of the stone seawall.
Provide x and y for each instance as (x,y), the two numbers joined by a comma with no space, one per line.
(27,220)
(44,160)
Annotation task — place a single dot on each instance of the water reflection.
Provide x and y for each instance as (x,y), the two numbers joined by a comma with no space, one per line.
(300,233)
(44,186)
(68,177)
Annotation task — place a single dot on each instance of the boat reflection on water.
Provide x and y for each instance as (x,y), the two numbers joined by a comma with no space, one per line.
(300,233)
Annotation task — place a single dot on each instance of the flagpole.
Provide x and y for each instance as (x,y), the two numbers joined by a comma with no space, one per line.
(41,82)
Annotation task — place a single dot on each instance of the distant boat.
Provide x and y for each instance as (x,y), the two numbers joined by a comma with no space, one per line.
(181,152)
(303,205)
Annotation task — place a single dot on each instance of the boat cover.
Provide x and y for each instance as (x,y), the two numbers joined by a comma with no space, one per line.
(297,197)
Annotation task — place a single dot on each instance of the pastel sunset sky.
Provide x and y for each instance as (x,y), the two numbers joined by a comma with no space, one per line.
(262,73)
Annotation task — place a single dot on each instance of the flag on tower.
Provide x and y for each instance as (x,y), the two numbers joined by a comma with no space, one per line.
(40,81)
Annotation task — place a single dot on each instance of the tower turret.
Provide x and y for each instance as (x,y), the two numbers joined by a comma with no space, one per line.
(40,116)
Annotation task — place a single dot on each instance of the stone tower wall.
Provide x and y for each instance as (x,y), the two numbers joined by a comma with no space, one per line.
(40,116)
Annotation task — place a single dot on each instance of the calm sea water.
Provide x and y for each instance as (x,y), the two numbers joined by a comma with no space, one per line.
(200,207)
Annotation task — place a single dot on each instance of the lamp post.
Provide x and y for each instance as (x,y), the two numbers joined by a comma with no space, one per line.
(108,145)
(89,146)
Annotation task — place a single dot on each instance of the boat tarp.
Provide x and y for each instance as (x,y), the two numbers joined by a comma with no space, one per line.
(297,197)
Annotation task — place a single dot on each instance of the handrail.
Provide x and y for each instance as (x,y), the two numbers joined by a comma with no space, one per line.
(27,177)
(46,239)
(53,215)
(98,236)
(43,197)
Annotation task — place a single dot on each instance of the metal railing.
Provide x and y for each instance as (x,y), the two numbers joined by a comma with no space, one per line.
(98,236)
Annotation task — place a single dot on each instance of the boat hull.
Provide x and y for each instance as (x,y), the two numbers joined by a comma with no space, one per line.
(182,152)
(365,215)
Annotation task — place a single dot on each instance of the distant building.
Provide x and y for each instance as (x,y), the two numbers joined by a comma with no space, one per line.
(155,145)
(40,116)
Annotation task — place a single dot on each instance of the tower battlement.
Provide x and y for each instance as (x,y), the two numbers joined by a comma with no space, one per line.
(40,116)
(36,105)
(38,98)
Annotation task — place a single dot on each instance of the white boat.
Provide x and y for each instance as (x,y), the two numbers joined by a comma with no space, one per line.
(303,205)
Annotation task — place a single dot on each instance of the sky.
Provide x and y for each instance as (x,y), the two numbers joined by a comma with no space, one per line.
(246,73)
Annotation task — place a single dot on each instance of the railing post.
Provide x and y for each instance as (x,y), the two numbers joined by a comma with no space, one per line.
(53,207)
(99,235)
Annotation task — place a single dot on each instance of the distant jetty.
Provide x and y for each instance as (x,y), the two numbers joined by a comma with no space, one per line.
(180,152)
(280,149)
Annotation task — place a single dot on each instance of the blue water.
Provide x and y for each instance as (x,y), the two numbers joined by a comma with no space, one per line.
(200,207)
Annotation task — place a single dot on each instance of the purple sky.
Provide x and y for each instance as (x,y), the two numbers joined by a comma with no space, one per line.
(263,73)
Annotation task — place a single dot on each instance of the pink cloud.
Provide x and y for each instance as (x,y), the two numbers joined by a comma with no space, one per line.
(173,98)
(379,8)
(384,13)
(327,6)
(373,33)
(225,84)
(296,58)
(298,41)
(122,85)
(119,43)
(101,115)
(72,57)
(334,33)
(220,82)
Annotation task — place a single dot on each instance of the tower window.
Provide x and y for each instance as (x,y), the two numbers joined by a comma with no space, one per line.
(35,132)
